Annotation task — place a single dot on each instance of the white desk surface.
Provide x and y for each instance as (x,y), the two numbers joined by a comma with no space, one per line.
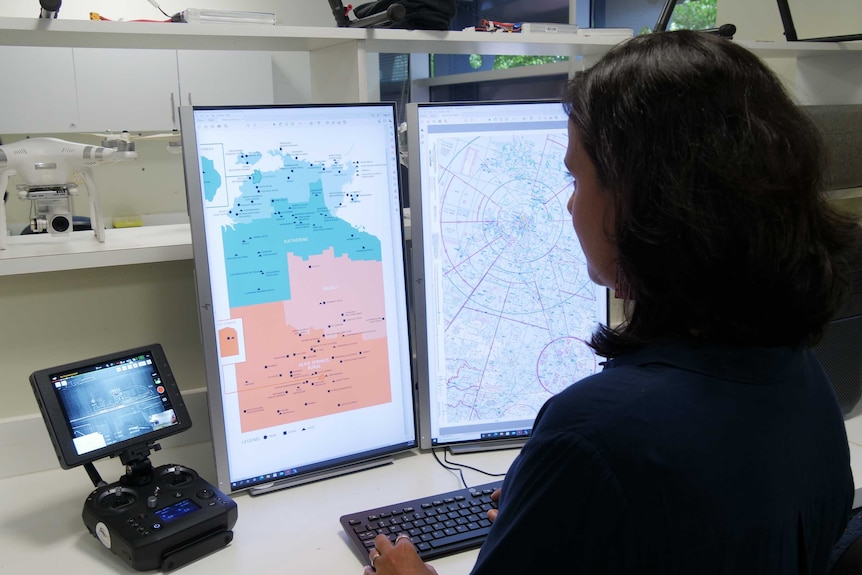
(294,530)
(854,437)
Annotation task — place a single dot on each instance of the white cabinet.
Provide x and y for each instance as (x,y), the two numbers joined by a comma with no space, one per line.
(57,89)
(126,89)
(38,92)
(139,90)
(223,77)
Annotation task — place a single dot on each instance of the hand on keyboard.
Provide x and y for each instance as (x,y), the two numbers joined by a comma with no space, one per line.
(398,559)
(495,497)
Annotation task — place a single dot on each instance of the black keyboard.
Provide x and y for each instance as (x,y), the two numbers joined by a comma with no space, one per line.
(438,525)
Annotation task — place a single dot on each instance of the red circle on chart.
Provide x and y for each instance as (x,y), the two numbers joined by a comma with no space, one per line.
(160,389)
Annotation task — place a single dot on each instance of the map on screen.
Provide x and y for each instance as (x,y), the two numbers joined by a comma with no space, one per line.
(294,321)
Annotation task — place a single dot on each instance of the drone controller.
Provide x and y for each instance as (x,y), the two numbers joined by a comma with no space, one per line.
(119,405)
(173,519)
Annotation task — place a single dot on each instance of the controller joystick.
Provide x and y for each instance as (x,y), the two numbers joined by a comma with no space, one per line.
(117,498)
(175,476)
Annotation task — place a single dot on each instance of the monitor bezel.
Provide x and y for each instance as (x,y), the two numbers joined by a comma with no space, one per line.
(58,425)
(200,249)
(426,441)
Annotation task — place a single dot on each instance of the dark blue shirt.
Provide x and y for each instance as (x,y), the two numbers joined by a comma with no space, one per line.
(680,459)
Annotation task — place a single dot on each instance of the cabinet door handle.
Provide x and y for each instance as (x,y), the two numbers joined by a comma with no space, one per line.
(190,99)
(173,111)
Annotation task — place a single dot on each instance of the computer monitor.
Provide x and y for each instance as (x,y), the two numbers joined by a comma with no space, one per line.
(297,226)
(503,303)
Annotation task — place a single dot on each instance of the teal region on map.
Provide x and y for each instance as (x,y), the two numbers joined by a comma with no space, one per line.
(283,212)
(211,179)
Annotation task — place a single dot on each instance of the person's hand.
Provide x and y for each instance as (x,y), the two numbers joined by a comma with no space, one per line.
(492,513)
(398,559)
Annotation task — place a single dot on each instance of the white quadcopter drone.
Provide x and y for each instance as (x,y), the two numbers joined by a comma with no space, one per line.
(47,165)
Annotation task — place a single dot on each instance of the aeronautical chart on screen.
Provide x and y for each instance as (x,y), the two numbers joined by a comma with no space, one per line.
(516,301)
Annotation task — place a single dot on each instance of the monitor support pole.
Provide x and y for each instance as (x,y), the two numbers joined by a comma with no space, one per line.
(725,30)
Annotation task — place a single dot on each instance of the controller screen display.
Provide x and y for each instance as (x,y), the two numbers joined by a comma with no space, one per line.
(177,510)
(111,402)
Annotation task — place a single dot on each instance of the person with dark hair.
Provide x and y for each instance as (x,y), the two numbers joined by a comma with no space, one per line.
(712,442)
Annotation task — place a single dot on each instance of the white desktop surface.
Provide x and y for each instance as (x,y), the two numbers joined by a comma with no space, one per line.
(854,437)
(294,530)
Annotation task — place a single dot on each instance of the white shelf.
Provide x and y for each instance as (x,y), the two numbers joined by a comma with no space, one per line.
(801,49)
(99,34)
(43,253)
(427,42)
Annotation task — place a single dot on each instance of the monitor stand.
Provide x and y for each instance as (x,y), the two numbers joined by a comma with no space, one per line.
(480,447)
(311,477)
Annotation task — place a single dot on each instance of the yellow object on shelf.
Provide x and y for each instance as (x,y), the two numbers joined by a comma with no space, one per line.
(128,222)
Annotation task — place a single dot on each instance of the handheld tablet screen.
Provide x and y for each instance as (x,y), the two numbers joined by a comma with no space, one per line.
(100,406)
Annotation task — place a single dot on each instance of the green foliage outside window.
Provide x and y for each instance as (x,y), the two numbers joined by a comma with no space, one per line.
(506,62)
(688,15)
(691,15)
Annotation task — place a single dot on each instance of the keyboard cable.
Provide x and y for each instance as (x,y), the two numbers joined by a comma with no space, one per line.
(455,466)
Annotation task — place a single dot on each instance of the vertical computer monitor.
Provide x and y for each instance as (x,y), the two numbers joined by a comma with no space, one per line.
(296,226)
(503,302)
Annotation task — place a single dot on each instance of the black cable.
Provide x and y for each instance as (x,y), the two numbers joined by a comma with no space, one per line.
(471,468)
(458,469)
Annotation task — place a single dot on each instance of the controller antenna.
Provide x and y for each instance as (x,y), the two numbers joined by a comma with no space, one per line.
(93,473)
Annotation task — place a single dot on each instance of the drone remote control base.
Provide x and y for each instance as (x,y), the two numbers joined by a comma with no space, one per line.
(119,405)
(174,519)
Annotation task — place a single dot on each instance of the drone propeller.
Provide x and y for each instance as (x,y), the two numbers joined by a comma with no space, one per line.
(127,136)
(125,140)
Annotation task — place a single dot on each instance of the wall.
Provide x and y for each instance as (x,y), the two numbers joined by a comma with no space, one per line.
(59,317)
(52,318)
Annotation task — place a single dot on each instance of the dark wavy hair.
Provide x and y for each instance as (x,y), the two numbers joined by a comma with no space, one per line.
(722,229)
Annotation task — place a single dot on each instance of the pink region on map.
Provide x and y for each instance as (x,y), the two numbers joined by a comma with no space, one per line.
(322,352)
